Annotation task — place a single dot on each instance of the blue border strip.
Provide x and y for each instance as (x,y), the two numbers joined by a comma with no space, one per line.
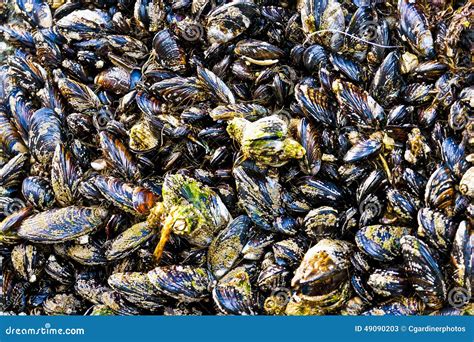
(238,329)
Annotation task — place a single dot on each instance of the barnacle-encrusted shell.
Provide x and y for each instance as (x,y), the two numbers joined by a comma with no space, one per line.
(323,267)
(381,242)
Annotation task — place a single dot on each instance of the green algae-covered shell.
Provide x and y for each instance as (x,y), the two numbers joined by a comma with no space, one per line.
(182,196)
(265,140)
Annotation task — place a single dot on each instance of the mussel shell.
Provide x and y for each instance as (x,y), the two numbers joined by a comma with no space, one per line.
(324,267)
(37,12)
(87,254)
(21,112)
(399,115)
(47,51)
(171,55)
(415,181)
(12,221)
(226,247)
(322,222)
(365,109)
(137,288)
(249,111)
(129,241)
(417,93)
(61,271)
(404,307)
(322,191)
(461,258)
(134,199)
(323,304)
(118,154)
(115,79)
(90,289)
(12,173)
(361,288)
(256,245)
(348,67)
(455,157)
(388,282)
(215,85)
(233,293)
(38,191)
(414,26)
(79,96)
(423,271)
(63,304)
(363,150)
(185,283)
(58,225)
(180,90)
(64,176)
(230,20)
(308,137)
(262,205)
(315,104)
(373,182)
(84,23)
(273,277)
(10,139)
(439,191)
(28,261)
(119,304)
(128,46)
(80,125)
(361,263)
(258,50)
(314,57)
(386,83)
(45,133)
(402,205)
(381,242)
(436,229)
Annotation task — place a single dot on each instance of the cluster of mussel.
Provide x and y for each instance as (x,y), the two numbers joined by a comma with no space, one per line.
(236,157)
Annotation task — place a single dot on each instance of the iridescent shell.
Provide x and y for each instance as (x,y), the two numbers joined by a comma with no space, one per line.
(58,225)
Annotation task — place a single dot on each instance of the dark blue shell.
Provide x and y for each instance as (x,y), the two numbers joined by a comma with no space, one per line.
(185,283)
(44,135)
(37,12)
(424,272)
(363,150)
(381,242)
(38,192)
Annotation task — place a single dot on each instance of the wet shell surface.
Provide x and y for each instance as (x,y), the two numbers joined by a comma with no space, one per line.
(241,157)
